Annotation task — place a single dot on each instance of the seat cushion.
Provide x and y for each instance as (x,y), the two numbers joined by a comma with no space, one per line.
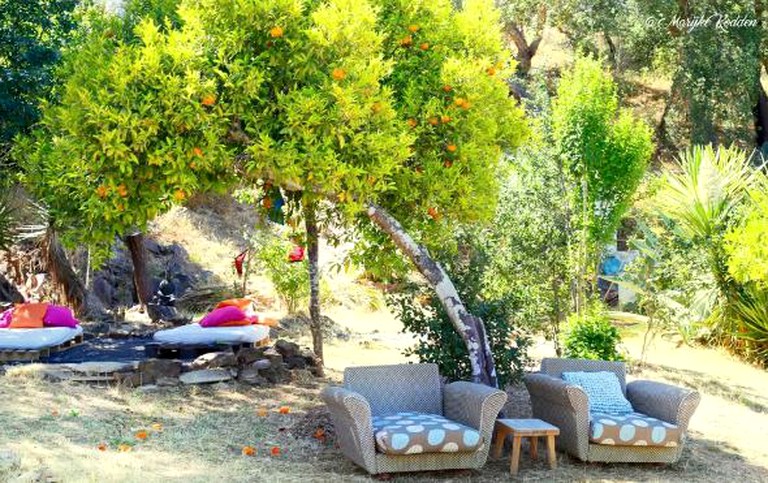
(413,433)
(603,390)
(634,429)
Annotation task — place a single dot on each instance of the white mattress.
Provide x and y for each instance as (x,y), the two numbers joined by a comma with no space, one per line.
(34,339)
(194,334)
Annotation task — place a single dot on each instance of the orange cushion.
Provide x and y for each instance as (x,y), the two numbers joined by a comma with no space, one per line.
(235,323)
(28,316)
(241,304)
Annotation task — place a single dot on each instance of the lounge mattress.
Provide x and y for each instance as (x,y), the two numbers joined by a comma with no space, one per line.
(36,339)
(193,334)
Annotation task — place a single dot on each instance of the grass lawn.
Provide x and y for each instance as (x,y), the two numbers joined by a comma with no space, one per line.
(56,428)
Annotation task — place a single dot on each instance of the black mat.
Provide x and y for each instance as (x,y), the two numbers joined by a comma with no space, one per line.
(102,350)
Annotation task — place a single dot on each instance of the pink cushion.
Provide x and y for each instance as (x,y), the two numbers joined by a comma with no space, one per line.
(5,318)
(59,316)
(221,316)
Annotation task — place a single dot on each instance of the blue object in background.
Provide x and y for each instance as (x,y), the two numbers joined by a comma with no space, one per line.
(611,266)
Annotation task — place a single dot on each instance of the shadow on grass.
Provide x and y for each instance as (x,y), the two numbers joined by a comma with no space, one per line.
(744,395)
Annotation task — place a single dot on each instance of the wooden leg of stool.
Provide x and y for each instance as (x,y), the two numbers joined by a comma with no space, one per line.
(534,447)
(501,435)
(551,452)
(515,460)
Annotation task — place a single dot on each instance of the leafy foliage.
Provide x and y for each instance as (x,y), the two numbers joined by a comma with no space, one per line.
(290,280)
(592,336)
(605,148)
(137,129)
(32,34)
(421,313)
(746,244)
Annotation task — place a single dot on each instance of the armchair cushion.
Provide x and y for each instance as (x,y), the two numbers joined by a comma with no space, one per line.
(603,390)
(413,433)
(634,429)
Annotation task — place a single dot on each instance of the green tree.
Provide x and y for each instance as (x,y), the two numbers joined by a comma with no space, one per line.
(32,35)
(135,129)
(397,111)
(604,152)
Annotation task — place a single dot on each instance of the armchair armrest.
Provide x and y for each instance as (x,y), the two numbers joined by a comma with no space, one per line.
(564,405)
(471,404)
(351,415)
(663,401)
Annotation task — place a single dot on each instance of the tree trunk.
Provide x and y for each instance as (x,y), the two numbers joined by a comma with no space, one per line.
(66,280)
(525,51)
(761,117)
(315,324)
(135,244)
(8,291)
(470,328)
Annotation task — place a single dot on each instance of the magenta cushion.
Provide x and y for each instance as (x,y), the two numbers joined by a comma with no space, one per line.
(221,316)
(5,318)
(59,316)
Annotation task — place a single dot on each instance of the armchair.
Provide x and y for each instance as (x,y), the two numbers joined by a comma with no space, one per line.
(368,411)
(567,407)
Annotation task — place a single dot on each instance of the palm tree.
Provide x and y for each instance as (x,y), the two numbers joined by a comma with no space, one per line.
(703,199)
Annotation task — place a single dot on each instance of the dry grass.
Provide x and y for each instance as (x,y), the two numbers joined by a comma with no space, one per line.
(56,428)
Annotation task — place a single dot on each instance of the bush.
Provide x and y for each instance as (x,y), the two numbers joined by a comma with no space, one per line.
(421,313)
(291,280)
(591,336)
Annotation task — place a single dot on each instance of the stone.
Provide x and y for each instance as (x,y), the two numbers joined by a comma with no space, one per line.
(205,376)
(286,349)
(212,360)
(261,364)
(277,374)
(128,379)
(274,357)
(310,357)
(303,376)
(149,388)
(168,381)
(247,355)
(153,369)
(295,362)
(250,375)
(100,367)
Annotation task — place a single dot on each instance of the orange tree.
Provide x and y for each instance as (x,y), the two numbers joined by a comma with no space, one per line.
(394,109)
(136,128)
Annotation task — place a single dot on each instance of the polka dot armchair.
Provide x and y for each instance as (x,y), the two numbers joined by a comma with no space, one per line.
(402,418)
(654,432)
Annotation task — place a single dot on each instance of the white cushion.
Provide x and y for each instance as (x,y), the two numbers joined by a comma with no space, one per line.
(36,339)
(194,334)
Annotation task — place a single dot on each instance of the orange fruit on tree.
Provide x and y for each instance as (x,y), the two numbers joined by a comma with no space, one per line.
(413,28)
(376,107)
(248,451)
(445,119)
(447,88)
(490,71)
(179,196)
(406,41)
(338,74)
(459,101)
(276,32)
(102,191)
(120,207)
(434,121)
(209,100)
(424,46)
(412,122)
(197,152)
(447,163)
(122,190)
(451,148)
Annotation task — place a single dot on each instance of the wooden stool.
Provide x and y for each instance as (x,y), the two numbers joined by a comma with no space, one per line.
(519,429)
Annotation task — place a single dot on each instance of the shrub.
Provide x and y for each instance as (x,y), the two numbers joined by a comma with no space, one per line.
(421,313)
(291,280)
(591,336)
